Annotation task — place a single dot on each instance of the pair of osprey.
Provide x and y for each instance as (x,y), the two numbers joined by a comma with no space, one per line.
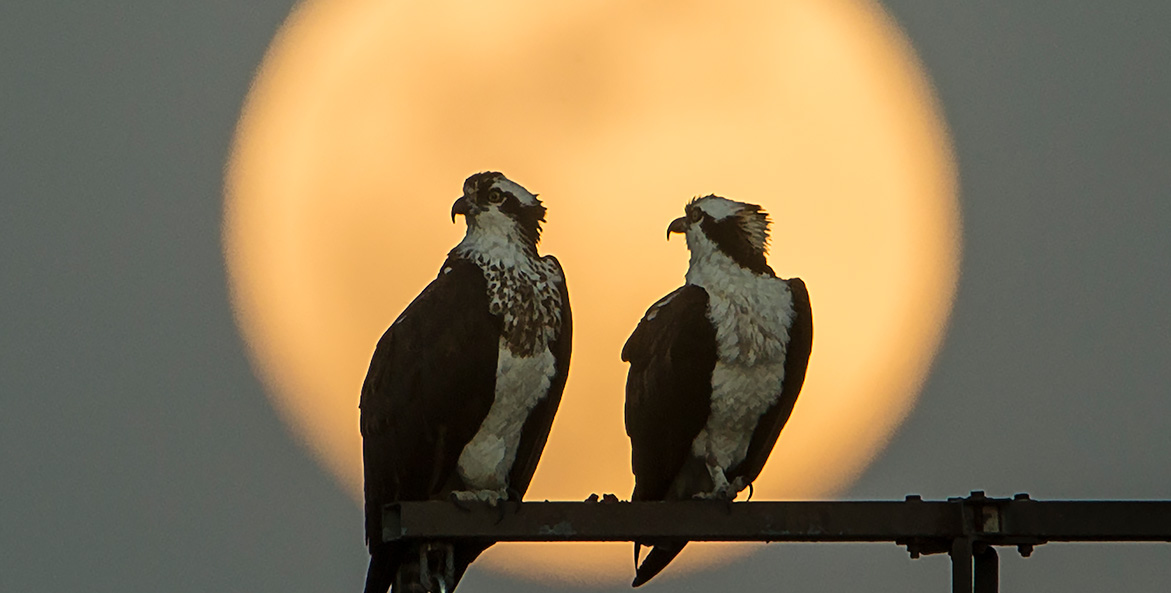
(463,387)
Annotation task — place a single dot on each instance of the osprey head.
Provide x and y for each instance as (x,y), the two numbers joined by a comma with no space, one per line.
(736,229)
(495,204)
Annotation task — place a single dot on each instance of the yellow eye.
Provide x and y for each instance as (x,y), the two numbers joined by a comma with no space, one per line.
(695,214)
(495,196)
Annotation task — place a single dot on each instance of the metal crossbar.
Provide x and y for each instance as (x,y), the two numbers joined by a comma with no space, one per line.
(965,528)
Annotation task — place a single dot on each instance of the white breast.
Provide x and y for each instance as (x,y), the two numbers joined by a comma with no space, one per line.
(521,382)
(524,291)
(752,315)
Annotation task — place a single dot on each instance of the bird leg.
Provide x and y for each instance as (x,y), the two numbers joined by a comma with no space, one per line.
(738,485)
(720,485)
(721,488)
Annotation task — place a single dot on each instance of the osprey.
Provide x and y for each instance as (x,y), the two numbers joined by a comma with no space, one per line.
(715,366)
(463,386)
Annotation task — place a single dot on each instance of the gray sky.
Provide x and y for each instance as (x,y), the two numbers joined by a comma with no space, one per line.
(138,452)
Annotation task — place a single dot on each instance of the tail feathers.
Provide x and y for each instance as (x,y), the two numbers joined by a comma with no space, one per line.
(383,566)
(397,570)
(656,560)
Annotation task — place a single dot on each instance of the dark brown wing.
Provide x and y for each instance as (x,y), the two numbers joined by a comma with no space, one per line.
(431,383)
(796,360)
(536,429)
(671,353)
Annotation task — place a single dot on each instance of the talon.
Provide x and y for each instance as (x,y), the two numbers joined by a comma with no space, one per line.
(593,498)
(459,502)
(515,497)
(499,500)
(750,491)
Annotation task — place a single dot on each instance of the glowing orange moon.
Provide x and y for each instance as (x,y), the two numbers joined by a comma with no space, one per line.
(367,115)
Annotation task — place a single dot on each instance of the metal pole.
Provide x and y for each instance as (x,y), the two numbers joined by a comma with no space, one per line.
(987,570)
(961,565)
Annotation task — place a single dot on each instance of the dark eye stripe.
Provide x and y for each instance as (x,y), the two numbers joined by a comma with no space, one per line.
(732,240)
(510,205)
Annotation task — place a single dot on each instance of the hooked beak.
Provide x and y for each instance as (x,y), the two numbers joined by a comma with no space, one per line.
(461,206)
(679,225)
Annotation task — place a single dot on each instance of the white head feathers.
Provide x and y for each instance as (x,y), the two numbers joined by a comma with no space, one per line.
(753,220)
(523,195)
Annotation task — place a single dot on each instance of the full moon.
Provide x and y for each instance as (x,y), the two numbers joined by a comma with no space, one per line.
(367,115)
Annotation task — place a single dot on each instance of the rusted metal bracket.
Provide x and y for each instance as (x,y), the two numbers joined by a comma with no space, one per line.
(965,528)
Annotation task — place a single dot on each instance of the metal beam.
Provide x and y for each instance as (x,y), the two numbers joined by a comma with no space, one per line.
(964,528)
(694,521)
(1088,521)
(926,527)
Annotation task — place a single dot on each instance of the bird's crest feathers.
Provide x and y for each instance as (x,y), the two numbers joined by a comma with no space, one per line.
(751,218)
